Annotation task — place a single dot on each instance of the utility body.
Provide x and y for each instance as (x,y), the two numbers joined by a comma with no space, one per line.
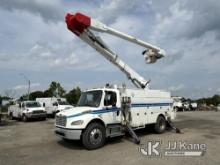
(112,110)
(54,105)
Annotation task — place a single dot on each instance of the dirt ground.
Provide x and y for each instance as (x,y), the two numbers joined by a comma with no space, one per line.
(34,142)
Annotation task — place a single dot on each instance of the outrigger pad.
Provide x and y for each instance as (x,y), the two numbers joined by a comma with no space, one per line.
(133,134)
(171,124)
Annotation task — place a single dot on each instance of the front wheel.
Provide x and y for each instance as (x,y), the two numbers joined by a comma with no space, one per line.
(94,136)
(160,126)
(24,118)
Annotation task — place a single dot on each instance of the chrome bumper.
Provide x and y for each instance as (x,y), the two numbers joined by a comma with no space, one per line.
(72,134)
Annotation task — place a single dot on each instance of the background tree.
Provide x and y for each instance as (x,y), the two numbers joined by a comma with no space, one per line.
(36,94)
(55,90)
(214,100)
(73,95)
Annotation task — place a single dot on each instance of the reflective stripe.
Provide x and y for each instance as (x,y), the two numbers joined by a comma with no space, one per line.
(100,111)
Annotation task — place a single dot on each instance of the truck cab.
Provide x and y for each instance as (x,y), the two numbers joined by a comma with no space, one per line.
(61,105)
(26,110)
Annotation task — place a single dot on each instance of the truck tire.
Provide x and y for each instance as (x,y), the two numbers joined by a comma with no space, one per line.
(53,114)
(94,136)
(24,118)
(11,116)
(160,125)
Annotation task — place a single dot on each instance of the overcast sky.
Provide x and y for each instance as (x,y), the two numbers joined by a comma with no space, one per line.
(34,41)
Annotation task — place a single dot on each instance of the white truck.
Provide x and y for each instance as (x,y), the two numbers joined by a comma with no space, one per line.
(26,110)
(54,105)
(178,104)
(193,106)
(110,111)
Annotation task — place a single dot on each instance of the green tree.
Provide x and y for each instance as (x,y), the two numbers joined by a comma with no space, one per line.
(0,100)
(55,89)
(73,95)
(36,94)
(215,100)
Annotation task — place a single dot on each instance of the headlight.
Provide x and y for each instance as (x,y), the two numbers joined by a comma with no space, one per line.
(78,122)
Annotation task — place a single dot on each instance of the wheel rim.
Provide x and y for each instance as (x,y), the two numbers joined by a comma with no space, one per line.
(161,125)
(95,136)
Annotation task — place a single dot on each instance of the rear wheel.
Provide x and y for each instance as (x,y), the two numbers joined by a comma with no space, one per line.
(94,136)
(160,126)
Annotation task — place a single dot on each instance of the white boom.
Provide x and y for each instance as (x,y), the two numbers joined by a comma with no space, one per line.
(83,25)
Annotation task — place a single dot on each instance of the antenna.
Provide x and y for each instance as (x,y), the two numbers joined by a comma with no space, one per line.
(29,83)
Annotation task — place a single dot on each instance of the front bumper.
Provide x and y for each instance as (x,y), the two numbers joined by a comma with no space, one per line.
(72,134)
(38,115)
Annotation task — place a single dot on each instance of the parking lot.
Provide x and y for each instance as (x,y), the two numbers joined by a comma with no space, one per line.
(34,142)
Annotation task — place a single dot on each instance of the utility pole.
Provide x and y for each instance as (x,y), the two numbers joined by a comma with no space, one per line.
(29,84)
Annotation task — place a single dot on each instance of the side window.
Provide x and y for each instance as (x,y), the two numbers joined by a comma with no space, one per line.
(55,104)
(110,98)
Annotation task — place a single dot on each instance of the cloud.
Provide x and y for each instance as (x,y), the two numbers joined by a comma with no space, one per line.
(176,88)
(22,87)
(48,10)
(110,10)
(37,40)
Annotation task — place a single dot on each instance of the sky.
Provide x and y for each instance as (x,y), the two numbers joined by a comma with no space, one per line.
(35,42)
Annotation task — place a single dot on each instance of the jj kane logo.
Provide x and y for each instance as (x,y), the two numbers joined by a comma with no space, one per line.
(153,148)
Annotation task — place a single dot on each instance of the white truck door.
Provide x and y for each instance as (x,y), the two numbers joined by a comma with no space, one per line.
(112,107)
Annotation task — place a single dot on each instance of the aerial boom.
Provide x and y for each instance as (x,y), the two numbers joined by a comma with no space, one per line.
(83,25)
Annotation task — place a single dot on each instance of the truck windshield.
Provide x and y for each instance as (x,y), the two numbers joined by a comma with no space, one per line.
(63,103)
(90,98)
(33,104)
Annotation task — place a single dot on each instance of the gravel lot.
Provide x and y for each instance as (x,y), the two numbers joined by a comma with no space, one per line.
(35,143)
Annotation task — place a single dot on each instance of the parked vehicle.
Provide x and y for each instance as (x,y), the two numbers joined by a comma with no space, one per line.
(178,104)
(54,105)
(26,110)
(218,107)
(193,106)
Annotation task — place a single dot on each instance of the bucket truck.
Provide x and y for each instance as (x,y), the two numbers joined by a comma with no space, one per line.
(112,110)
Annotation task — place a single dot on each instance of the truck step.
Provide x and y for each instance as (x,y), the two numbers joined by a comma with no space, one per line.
(117,134)
(114,130)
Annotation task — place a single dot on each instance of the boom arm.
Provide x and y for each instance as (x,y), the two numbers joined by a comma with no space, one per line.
(82,26)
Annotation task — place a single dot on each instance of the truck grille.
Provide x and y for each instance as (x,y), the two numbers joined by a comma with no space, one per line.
(61,121)
(38,111)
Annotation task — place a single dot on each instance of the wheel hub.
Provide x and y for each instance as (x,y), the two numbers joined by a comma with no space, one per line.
(95,136)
